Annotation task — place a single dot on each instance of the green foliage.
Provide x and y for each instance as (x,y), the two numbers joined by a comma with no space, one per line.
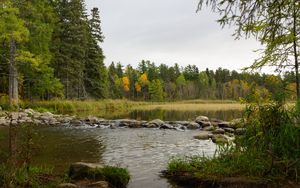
(117,177)
(34,177)
(156,90)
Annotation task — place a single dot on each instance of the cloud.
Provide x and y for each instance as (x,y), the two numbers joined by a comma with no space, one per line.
(169,31)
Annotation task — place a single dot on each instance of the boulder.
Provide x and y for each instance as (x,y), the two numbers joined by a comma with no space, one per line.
(80,170)
(209,128)
(219,139)
(155,123)
(203,121)
(223,124)
(204,135)
(219,131)
(67,185)
(193,125)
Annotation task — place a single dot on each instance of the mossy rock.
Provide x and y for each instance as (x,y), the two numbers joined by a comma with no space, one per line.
(219,139)
(115,176)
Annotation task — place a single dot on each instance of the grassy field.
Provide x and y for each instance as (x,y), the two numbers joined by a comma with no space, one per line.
(68,106)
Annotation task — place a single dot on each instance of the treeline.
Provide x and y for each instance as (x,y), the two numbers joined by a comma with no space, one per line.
(163,82)
(51,49)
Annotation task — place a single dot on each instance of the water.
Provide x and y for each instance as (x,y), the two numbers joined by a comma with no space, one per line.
(145,152)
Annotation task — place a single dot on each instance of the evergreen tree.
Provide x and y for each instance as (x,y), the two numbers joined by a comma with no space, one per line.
(156,90)
(70,43)
(96,75)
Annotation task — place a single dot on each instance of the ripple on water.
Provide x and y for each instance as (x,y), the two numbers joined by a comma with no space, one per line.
(144,151)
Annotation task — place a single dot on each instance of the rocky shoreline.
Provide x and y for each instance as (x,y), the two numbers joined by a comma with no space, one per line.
(217,130)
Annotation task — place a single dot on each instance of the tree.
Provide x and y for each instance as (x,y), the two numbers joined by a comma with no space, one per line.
(70,40)
(156,90)
(37,76)
(95,72)
(12,32)
(274,23)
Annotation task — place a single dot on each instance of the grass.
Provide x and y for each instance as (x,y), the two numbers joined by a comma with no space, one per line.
(106,107)
(34,177)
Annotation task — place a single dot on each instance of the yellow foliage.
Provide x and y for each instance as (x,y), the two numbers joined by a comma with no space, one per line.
(126,83)
(138,87)
(143,80)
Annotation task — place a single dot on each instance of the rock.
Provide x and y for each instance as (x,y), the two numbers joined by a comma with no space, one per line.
(203,121)
(240,131)
(215,122)
(219,139)
(193,125)
(209,128)
(29,111)
(76,122)
(229,130)
(91,120)
(166,126)
(79,170)
(155,123)
(49,114)
(112,126)
(67,185)
(99,184)
(184,123)
(223,124)
(204,135)
(218,131)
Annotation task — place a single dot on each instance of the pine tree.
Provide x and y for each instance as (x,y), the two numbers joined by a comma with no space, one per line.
(96,75)
(70,42)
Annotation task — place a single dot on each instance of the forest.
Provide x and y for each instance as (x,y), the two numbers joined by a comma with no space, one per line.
(52,49)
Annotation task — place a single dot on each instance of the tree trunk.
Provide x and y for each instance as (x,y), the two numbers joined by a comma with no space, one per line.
(295,50)
(13,75)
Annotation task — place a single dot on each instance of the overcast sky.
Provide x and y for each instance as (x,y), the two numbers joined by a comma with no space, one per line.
(169,31)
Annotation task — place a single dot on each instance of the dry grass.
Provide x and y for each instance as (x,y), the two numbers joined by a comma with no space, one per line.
(193,106)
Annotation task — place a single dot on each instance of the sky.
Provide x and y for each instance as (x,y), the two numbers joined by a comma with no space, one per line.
(169,31)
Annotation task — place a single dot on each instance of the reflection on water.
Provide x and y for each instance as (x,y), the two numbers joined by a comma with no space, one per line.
(144,151)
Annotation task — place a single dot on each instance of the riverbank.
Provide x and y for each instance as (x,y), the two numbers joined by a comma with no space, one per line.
(266,155)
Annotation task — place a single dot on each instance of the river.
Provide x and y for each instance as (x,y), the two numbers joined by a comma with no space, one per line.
(145,152)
